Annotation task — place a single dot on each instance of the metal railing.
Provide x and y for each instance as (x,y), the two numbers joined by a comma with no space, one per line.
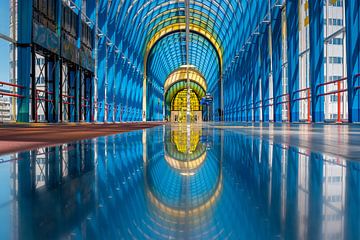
(9,94)
(307,98)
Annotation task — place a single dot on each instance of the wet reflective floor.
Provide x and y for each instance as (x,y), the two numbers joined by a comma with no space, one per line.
(179,182)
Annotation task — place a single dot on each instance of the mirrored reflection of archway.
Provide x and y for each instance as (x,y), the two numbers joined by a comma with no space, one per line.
(183,185)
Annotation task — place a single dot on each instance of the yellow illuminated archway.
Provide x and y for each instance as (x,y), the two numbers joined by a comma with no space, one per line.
(176,27)
(180,75)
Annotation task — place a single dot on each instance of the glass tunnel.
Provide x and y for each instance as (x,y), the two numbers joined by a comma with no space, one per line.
(180,119)
(121,61)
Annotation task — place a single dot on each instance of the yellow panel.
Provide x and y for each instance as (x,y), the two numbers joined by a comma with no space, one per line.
(306,6)
(180,75)
(306,21)
(180,101)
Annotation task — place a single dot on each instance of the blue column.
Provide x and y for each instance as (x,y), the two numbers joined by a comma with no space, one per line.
(265,70)
(277,61)
(250,80)
(77,94)
(352,9)
(238,93)
(102,66)
(110,85)
(72,93)
(292,19)
(316,16)
(257,82)
(118,80)
(78,71)
(102,59)
(88,95)
(24,18)
(243,87)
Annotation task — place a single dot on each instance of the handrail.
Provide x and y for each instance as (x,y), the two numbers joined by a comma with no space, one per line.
(301,90)
(331,82)
(338,92)
(11,85)
(44,91)
(358,87)
(11,94)
(67,96)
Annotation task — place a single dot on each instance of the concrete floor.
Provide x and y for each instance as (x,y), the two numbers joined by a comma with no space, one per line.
(19,137)
(336,140)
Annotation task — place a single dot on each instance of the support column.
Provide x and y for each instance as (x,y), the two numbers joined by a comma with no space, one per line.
(316,15)
(352,12)
(257,82)
(72,94)
(110,85)
(277,62)
(102,66)
(77,94)
(54,83)
(265,70)
(88,95)
(24,29)
(292,20)
(102,59)
(243,87)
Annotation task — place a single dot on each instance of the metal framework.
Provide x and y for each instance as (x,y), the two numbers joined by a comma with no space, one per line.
(109,60)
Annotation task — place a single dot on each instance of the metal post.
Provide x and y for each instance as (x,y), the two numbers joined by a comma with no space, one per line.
(47,102)
(316,15)
(292,20)
(33,86)
(352,15)
(188,113)
(276,62)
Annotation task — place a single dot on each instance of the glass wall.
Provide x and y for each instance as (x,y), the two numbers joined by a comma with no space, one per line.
(335,60)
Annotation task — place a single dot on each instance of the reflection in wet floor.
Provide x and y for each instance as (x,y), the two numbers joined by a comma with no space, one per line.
(180,183)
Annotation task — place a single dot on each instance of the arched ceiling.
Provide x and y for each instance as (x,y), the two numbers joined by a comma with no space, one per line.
(142,19)
(181,75)
(170,53)
(156,29)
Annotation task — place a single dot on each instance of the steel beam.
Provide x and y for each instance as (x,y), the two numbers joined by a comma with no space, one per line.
(277,62)
(352,13)
(316,16)
(292,20)
(24,34)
